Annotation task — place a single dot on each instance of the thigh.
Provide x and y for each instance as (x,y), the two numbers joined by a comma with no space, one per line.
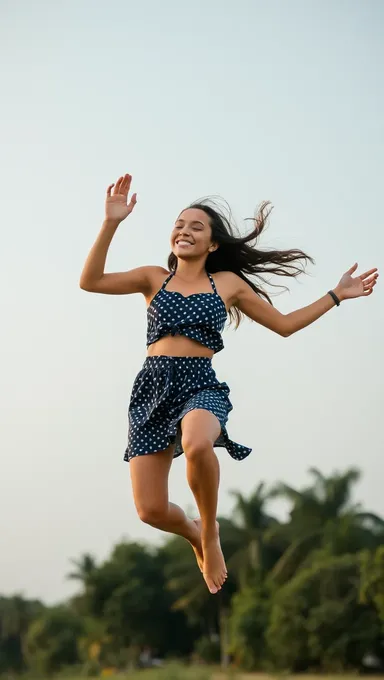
(149,478)
(199,427)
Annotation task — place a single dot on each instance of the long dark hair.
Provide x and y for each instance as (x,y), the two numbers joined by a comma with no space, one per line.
(239,254)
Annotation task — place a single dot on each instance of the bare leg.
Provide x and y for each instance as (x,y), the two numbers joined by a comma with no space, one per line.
(200,429)
(149,477)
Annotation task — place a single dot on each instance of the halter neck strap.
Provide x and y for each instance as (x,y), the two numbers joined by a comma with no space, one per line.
(167,280)
(212,282)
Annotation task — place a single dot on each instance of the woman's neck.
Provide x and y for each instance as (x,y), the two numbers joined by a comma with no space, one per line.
(190,271)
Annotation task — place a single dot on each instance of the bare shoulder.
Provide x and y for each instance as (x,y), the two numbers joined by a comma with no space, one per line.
(153,272)
(148,275)
(229,286)
(156,277)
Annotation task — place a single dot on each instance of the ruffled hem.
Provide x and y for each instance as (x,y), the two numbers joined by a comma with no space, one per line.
(236,451)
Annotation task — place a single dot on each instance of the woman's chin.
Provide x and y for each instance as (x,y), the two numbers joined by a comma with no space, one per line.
(183,253)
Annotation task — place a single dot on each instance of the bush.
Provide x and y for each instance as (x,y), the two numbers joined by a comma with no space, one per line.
(207,650)
(317,620)
(52,640)
(249,620)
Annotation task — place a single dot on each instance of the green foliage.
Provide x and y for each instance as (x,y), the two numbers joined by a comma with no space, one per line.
(322,518)
(317,619)
(16,615)
(129,593)
(207,650)
(52,640)
(252,527)
(372,583)
(250,615)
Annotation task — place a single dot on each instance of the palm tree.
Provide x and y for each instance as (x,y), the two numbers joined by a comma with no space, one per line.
(85,566)
(252,526)
(323,518)
(85,569)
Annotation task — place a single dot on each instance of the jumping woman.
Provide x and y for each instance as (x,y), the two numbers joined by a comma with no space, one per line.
(177,403)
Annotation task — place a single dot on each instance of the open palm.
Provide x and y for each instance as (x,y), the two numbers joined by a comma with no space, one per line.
(116,203)
(358,286)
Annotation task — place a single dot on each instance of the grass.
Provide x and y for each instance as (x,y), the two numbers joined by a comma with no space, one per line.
(179,672)
(176,672)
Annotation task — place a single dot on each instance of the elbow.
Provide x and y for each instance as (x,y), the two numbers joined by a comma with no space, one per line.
(86,285)
(286,330)
(288,325)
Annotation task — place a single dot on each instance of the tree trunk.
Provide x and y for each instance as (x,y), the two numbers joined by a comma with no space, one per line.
(224,635)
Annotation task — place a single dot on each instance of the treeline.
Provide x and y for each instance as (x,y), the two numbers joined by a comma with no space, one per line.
(303,594)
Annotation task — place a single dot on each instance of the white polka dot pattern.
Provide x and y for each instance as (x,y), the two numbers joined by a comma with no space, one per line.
(200,316)
(164,391)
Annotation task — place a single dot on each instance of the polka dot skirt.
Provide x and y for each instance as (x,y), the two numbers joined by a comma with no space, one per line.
(164,391)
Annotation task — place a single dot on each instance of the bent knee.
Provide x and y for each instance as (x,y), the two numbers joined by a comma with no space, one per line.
(152,514)
(196,447)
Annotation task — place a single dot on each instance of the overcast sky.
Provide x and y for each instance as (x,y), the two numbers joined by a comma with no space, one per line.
(250,100)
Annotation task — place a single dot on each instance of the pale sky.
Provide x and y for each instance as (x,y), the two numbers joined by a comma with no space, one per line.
(250,100)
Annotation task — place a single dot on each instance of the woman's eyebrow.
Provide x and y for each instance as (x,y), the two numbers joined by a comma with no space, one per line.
(193,222)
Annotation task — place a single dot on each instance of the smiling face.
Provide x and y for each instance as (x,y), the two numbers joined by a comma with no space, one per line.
(191,236)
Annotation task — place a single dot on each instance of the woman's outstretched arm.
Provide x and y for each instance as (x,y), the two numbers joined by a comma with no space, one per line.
(285,325)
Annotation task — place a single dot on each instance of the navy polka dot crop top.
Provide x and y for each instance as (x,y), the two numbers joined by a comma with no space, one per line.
(200,316)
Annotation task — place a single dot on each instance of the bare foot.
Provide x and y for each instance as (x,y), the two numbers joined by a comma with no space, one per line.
(215,571)
(197,549)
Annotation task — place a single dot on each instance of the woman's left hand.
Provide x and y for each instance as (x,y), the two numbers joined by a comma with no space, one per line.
(358,286)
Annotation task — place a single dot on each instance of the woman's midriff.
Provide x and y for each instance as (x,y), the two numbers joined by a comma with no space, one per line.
(178,346)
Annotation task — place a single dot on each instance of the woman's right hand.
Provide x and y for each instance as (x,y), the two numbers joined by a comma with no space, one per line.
(117,207)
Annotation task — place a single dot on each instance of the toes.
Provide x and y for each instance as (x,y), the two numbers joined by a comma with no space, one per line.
(215,584)
(212,587)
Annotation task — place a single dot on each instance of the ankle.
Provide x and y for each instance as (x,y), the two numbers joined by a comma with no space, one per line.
(192,531)
(209,534)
